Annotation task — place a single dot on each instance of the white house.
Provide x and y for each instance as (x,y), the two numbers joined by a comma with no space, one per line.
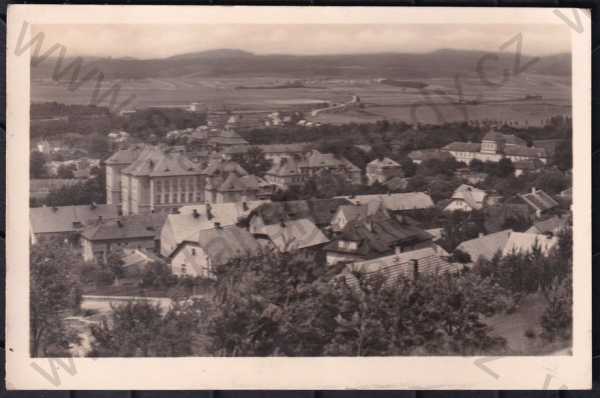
(466,198)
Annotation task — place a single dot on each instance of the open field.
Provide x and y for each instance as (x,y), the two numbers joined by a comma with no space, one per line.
(504,102)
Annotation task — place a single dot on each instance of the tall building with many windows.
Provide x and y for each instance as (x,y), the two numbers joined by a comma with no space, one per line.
(158,179)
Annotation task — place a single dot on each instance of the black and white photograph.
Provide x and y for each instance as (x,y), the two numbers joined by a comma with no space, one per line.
(317,189)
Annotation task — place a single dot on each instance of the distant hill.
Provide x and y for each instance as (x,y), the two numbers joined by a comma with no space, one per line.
(221,63)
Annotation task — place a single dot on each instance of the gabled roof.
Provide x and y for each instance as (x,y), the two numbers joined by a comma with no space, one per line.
(472,196)
(377,237)
(320,211)
(126,155)
(385,162)
(287,167)
(396,201)
(374,208)
(427,154)
(225,243)
(522,242)
(429,261)
(127,227)
(68,218)
(160,162)
(550,225)
(485,246)
(539,200)
(138,257)
(293,235)
(224,167)
(299,148)
(316,159)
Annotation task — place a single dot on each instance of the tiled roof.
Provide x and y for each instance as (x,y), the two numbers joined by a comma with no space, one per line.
(463,147)
(552,224)
(474,197)
(320,211)
(539,200)
(396,201)
(284,148)
(127,227)
(427,154)
(293,235)
(377,237)
(159,162)
(68,218)
(362,212)
(397,267)
(485,246)
(522,242)
(225,243)
(287,167)
(385,162)
(224,167)
(317,159)
(126,156)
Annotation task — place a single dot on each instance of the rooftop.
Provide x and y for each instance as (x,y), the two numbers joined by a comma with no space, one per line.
(293,235)
(127,227)
(68,218)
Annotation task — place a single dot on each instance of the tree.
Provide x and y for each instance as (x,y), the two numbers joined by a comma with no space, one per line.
(557,319)
(66,171)
(54,292)
(37,165)
(504,168)
(254,161)
(408,167)
(476,165)
(141,329)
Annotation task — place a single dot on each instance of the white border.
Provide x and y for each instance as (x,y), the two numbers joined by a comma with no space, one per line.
(288,373)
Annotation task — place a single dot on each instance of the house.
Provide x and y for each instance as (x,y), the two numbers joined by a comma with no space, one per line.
(139,231)
(381,170)
(495,146)
(401,266)
(278,152)
(227,181)
(200,217)
(527,166)
(114,165)
(349,213)
(285,174)
(226,138)
(291,236)
(538,201)
(316,163)
(505,242)
(470,177)
(65,221)
(319,211)
(552,225)
(420,155)
(201,253)
(136,261)
(372,238)
(40,188)
(466,198)
(399,203)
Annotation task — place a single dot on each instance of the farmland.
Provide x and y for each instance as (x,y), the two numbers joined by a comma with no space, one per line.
(437,102)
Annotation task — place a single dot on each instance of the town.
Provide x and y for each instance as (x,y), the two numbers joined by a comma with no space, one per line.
(177,217)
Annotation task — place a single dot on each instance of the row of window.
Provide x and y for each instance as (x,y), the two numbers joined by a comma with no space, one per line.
(178,184)
(177,197)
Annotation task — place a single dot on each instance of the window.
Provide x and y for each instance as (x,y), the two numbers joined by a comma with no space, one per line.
(183,269)
(193,252)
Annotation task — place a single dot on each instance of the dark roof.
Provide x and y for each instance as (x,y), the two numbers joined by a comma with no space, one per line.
(548,145)
(126,155)
(377,237)
(68,218)
(127,227)
(509,139)
(320,211)
(159,162)
(224,243)
(539,200)
(224,167)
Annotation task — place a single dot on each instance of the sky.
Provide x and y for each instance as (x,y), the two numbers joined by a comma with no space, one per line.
(159,41)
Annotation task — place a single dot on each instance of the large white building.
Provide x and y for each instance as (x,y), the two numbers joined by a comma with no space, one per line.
(495,146)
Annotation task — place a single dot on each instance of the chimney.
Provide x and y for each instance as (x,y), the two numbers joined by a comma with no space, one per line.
(480,235)
(100,219)
(397,250)
(282,223)
(415,267)
(533,191)
(245,206)
(119,223)
(209,214)
(196,214)
(218,225)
